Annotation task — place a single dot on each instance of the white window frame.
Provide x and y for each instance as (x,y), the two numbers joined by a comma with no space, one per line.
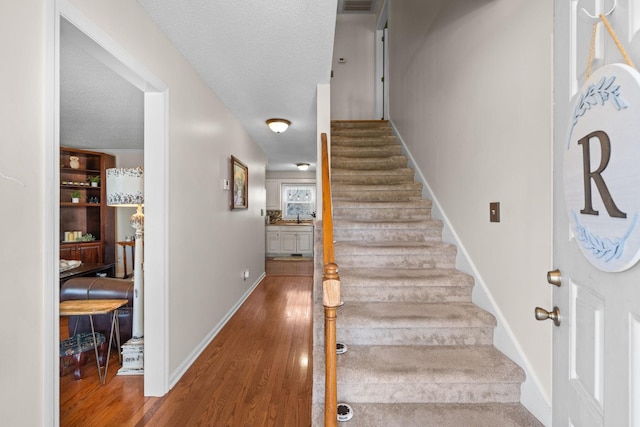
(284,202)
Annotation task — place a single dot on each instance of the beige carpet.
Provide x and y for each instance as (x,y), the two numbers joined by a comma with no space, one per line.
(420,352)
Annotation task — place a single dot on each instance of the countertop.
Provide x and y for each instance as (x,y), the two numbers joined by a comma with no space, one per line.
(291,222)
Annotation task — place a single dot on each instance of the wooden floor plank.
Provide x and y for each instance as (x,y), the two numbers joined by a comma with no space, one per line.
(256,372)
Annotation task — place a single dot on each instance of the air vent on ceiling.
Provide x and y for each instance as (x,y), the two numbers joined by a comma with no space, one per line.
(356,6)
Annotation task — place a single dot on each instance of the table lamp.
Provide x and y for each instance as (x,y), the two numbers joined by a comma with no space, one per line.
(125,188)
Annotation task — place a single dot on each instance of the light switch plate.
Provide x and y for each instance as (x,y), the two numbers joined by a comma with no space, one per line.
(494,212)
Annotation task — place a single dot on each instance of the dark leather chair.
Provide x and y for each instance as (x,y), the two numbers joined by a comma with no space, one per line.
(81,288)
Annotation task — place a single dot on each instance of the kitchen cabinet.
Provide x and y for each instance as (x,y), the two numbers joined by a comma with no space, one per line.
(295,242)
(289,239)
(273,194)
(273,240)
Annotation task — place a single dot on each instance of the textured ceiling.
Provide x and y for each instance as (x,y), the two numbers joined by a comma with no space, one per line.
(98,108)
(263,59)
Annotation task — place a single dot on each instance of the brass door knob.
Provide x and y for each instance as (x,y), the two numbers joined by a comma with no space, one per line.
(554,278)
(542,314)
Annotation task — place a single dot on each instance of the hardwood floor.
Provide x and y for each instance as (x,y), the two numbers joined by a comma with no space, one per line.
(256,372)
(296,267)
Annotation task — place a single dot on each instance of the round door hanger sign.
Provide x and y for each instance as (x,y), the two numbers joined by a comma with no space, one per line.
(602,168)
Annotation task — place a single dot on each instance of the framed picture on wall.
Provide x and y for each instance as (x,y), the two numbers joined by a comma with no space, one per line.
(239,184)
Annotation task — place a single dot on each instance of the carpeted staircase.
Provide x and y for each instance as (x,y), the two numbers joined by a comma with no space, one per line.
(419,352)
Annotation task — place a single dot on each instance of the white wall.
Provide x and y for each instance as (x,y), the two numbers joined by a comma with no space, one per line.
(22,216)
(353,82)
(209,245)
(291,175)
(471,97)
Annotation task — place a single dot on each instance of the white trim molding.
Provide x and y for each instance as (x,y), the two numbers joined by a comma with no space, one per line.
(156,99)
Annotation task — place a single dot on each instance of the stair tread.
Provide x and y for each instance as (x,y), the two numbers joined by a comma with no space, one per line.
(336,172)
(387,224)
(356,163)
(392,247)
(408,204)
(413,314)
(363,142)
(440,415)
(339,187)
(364,151)
(434,364)
(400,277)
(369,159)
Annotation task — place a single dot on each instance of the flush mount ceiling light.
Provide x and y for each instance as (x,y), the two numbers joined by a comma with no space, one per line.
(302,166)
(278,125)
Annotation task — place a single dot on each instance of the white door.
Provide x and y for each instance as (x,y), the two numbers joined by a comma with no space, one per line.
(596,347)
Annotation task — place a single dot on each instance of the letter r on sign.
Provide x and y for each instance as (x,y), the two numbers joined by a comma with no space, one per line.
(596,176)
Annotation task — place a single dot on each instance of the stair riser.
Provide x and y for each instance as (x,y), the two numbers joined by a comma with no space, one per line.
(362,132)
(434,414)
(380,214)
(359,235)
(377,196)
(383,293)
(401,224)
(415,392)
(345,141)
(366,152)
(372,179)
(342,188)
(412,250)
(413,336)
(369,164)
(377,278)
(354,213)
(396,261)
(419,204)
(359,124)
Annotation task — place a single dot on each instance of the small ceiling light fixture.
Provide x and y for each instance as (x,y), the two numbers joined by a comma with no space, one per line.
(278,125)
(302,166)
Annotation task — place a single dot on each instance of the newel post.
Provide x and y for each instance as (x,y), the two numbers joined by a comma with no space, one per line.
(331,301)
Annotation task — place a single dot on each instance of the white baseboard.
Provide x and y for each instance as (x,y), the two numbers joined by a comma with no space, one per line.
(188,361)
(532,397)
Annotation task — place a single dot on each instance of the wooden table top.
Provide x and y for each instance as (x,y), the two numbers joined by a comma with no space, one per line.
(86,269)
(85,307)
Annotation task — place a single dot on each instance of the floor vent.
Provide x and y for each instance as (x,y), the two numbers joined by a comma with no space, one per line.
(345,413)
(341,348)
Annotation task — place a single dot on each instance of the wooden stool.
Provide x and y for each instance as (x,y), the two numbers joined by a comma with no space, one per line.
(77,347)
(131,245)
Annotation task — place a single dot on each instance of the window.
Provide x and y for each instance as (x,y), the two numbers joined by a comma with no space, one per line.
(298,199)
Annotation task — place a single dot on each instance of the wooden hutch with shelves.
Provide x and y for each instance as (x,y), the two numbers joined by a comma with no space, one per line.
(90,215)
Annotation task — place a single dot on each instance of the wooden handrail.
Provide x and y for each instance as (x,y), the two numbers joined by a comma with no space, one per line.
(330,294)
(327,209)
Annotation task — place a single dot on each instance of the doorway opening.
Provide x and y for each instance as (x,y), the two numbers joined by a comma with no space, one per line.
(382,65)
(64,17)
